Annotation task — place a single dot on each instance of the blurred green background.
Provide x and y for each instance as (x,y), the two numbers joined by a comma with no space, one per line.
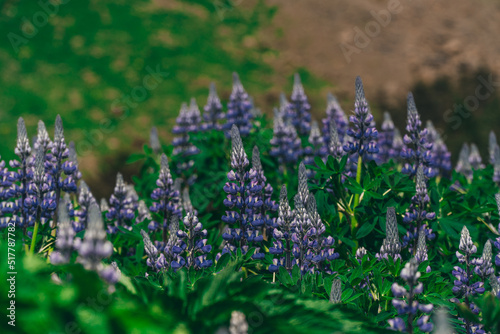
(87,60)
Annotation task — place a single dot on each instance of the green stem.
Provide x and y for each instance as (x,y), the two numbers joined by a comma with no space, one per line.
(33,239)
(354,222)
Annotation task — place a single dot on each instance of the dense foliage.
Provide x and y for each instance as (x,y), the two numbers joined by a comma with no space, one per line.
(338,229)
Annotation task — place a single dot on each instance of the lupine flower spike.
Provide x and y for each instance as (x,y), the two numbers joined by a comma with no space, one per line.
(493,144)
(282,234)
(65,242)
(440,156)
(166,199)
(316,148)
(418,150)
(464,285)
(406,302)
(122,206)
(362,133)
(238,109)
(335,148)
(154,141)
(475,159)
(417,214)
(391,247)
(301,108)
(336,292)
(85,200)
(285,144)
(463,165)
(212,110)
(20,205)
(95,247)
(336,118)
(238,323)
(385,139)
(421,253)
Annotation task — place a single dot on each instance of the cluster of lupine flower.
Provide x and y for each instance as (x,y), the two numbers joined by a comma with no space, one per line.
(248,199)
(37,190)
(299,234)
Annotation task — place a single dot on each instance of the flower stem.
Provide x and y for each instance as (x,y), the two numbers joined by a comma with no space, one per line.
(354,222)
(33,239)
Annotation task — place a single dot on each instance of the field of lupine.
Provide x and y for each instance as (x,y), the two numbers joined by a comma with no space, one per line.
(242,226)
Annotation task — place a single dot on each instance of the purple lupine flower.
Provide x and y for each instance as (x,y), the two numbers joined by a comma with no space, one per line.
(110,273)
(334,116)
(104,206)
(42,198)
(391,247)
(385,139)
(316,148)
(336,292)
(301,119)
(152,252)
(463,164)
(171,250)
(406,302)
(496,166)
(85,200)
(440,161)
(5,184)
(493,145)
(335,147)
(243,202)
(321,246)
(238,109)
(497,241)
(193,245)
(62,169)
(282,234)
(154,141)
(187,122)
(73,159)
(262,191)
(418,150)
(464,287)
(19,206)
(286,146)
(42,138)
(397,146)
(122,209)
(363,134)
(186,202)
(65,240)
(421,253)
(417,213)
(495,285)
(166,199)
(285,110)
(142,212)
(94,247)
(475,159)
(300,227)
(212,110)
(484,267)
